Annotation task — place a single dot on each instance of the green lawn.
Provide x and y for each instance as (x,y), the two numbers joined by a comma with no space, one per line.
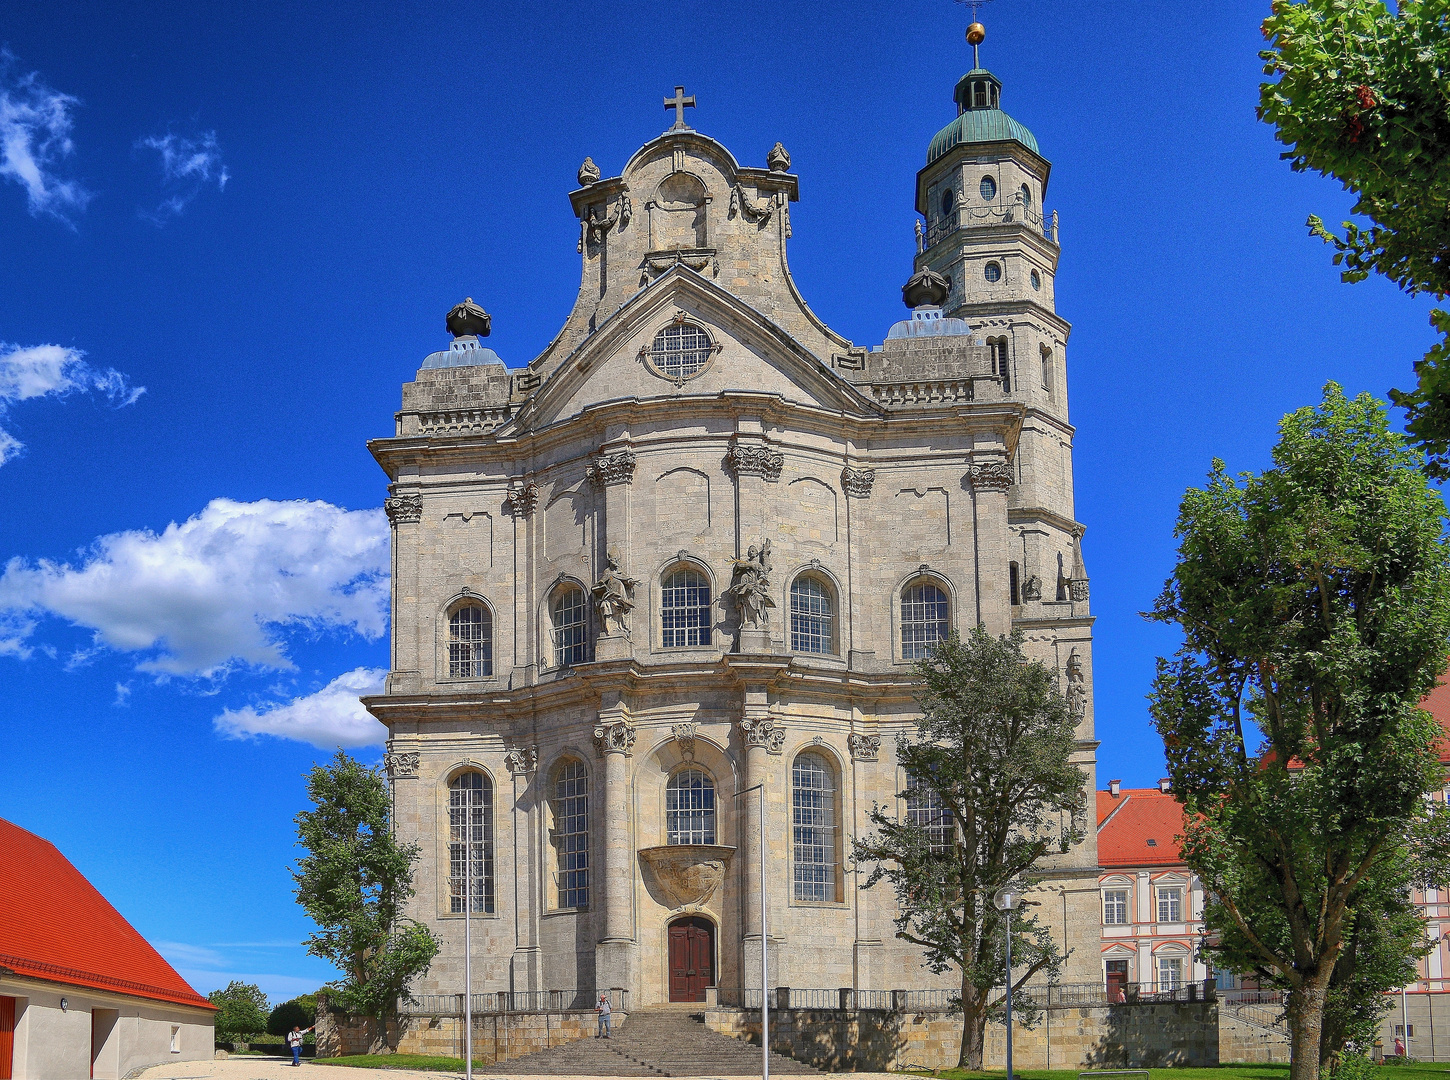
(424,1062)
(1223,1072)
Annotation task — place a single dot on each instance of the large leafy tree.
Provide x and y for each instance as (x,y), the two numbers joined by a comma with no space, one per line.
(993,791)
(241,1010)
(1314,602)
(1362,94)
(353,883)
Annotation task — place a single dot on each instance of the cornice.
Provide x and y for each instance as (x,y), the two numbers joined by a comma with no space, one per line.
(1072,621)
(1022,515)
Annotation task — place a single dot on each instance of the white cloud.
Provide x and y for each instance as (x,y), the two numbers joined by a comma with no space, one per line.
(216,590)
(187,166)
(331,717)
(35,126)
(53,371)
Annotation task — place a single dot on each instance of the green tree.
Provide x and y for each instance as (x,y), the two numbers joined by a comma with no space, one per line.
(241,1011)
(289,1014)
(1362,95)
(353,883)
(1314,603)
(994,790)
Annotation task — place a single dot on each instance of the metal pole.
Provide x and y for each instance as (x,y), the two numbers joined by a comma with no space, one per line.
(764,956)
(1009,994)
(468,939)
(1405,1018)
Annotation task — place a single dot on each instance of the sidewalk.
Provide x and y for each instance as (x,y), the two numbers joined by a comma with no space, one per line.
(257,1068)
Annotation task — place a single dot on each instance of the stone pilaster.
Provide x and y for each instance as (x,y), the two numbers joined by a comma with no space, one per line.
(615,952)
(757,734)
(526,966)
(754,464)
(612,473)
(990,475)
(405,514)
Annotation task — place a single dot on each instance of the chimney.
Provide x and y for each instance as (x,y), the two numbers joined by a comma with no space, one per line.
(1114,786)
(1165,785)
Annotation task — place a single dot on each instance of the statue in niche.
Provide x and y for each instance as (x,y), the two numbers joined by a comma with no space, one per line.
(614,597)
(1076,686)
(750,587)
(1033,589)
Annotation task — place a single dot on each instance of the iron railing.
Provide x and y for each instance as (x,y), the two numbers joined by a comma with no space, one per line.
(968,217)
(1056,995)
(509,1001)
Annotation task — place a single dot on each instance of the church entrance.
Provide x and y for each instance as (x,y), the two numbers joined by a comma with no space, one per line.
(692,958)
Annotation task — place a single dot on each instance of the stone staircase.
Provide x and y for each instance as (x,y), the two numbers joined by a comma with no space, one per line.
(663,1040)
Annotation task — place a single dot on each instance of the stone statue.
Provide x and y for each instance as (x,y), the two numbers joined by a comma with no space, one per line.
(1033,589)
(614,596)
(1076,686)
(750,587)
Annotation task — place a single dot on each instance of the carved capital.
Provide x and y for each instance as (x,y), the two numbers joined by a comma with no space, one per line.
(404,509)
(765,732)
(685,735)
(1078,589)
(857,482)
(521,760)
(864,747)
(613,737)
(617,468)
(990,475)
(401,765)
(746,460)
(522,498)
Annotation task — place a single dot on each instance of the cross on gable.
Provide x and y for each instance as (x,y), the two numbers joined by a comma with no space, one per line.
(680,103)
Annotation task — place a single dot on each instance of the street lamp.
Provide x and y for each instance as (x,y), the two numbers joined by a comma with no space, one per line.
(1006,900)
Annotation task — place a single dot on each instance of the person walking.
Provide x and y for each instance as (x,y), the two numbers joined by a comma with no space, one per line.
(604,1016)
(294,1043)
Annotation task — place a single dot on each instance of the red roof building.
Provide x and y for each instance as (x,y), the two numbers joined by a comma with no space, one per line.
(81,992)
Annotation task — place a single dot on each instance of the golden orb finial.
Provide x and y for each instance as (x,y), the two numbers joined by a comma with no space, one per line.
(976,33)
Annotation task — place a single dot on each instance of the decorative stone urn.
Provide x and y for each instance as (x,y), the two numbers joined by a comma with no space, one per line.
(689,874)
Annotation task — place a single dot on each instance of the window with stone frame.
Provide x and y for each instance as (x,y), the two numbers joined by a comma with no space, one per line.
(813,828)
(1170,904)
(470,842)
(1115,907)
(1170,972)
(1000,363)
(570,614)
(570,835)
(1047,370)
(924,619)
(812,615)
(681,350)
(690,807)
(470,642)
(685,611)
(925,810)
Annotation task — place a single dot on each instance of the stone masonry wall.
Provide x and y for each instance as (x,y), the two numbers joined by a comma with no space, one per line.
(496,1036)
(1122,1036)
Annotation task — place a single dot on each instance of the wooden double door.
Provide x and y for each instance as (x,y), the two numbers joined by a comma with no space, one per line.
(692,958)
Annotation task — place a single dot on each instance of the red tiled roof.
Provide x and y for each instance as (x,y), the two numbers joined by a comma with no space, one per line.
(1437,704)
(1127,823)
(55,926)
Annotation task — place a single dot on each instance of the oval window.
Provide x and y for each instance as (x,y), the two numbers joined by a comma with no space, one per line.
(948,200)
(993,271)
(1026,195)
(1036,280)
(989,188)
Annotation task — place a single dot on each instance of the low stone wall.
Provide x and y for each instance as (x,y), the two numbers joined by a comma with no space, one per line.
(1149,1035)
(496,1036)
(1239,1041)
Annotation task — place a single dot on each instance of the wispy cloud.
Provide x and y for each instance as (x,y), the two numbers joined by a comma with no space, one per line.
(217,590)
(333,716)
(188,164)
(39,371)
(35,127)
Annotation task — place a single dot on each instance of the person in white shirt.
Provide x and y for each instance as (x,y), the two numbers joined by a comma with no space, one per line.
(604,1018)
(294,1043)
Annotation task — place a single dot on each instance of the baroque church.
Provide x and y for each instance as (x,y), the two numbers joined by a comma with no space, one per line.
(675,573)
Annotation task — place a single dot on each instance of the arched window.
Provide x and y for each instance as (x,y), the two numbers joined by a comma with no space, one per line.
(992,272)
(1026,196)
(948,202)
(571,834)
(1000,365)
(690,808)
(680,350)
(571,627)
(812,616)
(925,810)
(813,822)
(470,642)
(685,609)
(1047,369)
(1014,584)
(988,188)
(923,619)
(470,825)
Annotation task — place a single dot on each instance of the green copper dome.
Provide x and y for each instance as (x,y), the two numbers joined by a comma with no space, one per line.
(979,118)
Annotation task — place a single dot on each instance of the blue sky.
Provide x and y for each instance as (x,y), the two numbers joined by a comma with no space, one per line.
(230,234)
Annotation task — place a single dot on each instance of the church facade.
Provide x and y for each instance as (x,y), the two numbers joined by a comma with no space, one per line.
(673,575)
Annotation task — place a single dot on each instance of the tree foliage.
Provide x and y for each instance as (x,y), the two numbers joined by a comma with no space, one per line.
(992,749)
(298,1012)
(1314,602)
(1363,95)
(241,1011)
(353,883)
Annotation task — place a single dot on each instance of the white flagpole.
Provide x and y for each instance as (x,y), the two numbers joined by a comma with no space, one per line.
(468,938)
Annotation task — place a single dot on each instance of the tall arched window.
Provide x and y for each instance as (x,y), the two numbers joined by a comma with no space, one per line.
(1000,364)
(690,808)
(812,616)
(470,825)
(1047,369)
(571,627)
(571,834)
(925,810)
(470,642)
(685,609)
(813,824)
(924,619)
